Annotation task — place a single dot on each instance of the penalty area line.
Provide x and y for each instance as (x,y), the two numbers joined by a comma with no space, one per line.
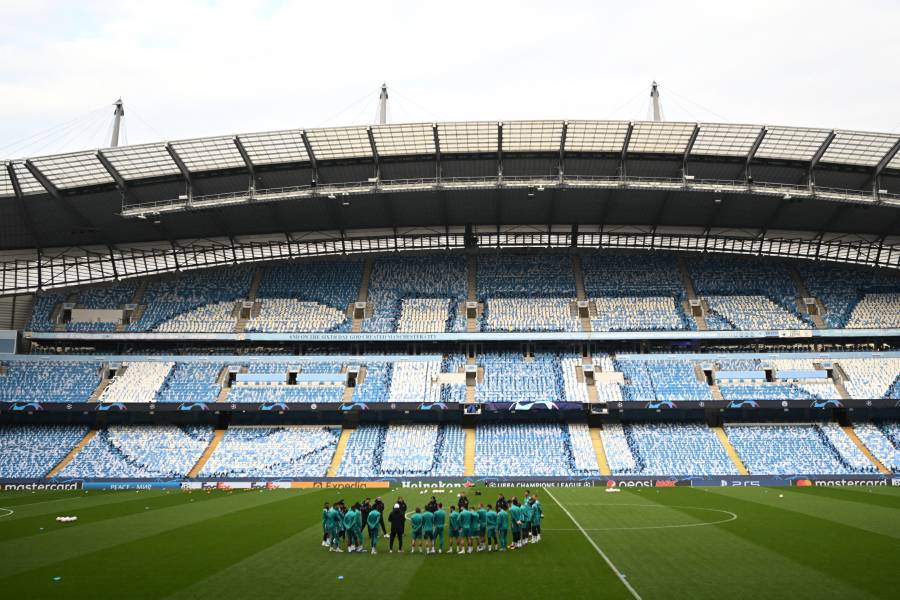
(606,559)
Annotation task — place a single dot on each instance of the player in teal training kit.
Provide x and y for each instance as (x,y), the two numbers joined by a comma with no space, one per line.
(526,520)
(428,531)
(334,524)
(482,526)
(416,529)
(440,517)
(326,539)
(490,528)
(454,529)
(374,523)
(502,527)
(537,513)
(515,517)
(351,520)
(465,529)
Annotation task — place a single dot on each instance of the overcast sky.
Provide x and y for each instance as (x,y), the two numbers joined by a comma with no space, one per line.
(187,69)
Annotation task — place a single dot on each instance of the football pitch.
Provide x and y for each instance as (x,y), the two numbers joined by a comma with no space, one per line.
(638,543)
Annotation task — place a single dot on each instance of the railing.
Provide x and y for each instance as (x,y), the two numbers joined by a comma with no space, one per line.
(714,186)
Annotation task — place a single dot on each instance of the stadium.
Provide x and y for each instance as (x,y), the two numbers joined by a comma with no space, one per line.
(682,337)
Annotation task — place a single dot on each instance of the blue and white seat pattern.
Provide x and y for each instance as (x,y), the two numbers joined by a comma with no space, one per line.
(415,381)
(424,315)
(362,456)
(870,378)
(284,451)
(741,312)
(650,313)
(31,451)
(139,382)
(532,449)
(876,311)
(510,377)
(788,450)
(664,449)
(49,381)
(126,451)
(530,314)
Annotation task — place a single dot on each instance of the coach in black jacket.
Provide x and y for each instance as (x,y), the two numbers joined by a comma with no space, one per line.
(398,524)
(379,506)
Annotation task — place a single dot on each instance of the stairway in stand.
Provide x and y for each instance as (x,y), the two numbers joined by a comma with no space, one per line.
(600,451)
(469,461)
(72,453)
(339,453)
(729,449)
(213,444)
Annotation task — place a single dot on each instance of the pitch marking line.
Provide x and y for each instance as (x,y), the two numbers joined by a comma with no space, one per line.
(731,517)
(9,512)
(615,569)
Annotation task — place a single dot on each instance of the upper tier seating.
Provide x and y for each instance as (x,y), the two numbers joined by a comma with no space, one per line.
(415,381)
(577,391)
(524,450)
(217,317)
(876,311)
(509,377)
(635,291)
(841,287)
(172,300)
(530,314)
(28,451)
(398,278)
(289,451)
(50,381)
(870,378)
(786,450)
(682,449)
(424,315)
(306,392)
(662,381)
(879,443)
(362,457)
(138,383)
(453,392)
(749,313)
(717,277)
(140,451)
(111,296)
(287,315)
(375,385)
(651,313)
(191,382)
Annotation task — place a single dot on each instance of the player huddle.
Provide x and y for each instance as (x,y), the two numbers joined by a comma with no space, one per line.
(471,529)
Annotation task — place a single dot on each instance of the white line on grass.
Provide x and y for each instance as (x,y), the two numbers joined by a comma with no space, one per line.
(9,512)
(615,569)
(731,517)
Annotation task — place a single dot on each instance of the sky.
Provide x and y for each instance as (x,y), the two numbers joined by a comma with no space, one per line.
(190,69)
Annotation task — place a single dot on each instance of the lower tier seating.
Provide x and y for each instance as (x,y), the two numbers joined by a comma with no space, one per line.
(291,451)
(140,451)
(788,450)
(33,450)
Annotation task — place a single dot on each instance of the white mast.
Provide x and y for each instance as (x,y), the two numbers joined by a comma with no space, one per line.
(382,105)
(117,120)
(654,96)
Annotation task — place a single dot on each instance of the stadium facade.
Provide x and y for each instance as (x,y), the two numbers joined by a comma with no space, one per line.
(572,302)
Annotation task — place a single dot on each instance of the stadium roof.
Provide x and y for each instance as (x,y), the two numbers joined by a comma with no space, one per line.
(656,177)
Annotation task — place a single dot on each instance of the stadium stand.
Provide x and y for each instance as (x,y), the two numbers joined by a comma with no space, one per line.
(841,288)
(100,297)
(362,458)
(849,453)
(526,449)
(876,311)
(683,449)
(662,381)
(32,450)
(870,378)
(746,292)
(397,279)
(510,377)
(191,382)
(427,450)
(176,303)
(584,459)
(635,291)
(51,381)
(882,447)
(533,314)
(415,381)
(126,451)
(618,453)
(425,315)
(139,382)
(375,385)
(778,449)
(290,451)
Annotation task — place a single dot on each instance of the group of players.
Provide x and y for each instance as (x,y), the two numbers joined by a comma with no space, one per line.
(471,529)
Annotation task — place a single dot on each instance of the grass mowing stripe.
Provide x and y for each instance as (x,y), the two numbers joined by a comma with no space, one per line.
(615,569)
(27,553)
(850,494)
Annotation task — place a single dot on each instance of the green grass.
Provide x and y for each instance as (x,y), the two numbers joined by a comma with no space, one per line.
(667,543)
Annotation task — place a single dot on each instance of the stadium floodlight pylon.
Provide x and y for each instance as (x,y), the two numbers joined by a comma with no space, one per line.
(382,105)
(654,98)
(118,113)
